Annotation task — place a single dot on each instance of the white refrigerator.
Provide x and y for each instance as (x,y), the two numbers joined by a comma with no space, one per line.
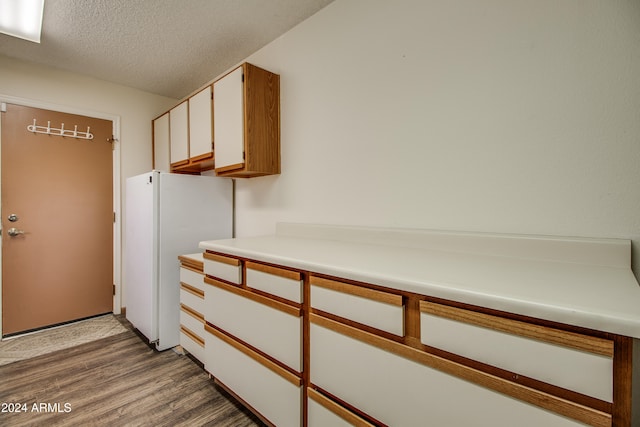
(167,215)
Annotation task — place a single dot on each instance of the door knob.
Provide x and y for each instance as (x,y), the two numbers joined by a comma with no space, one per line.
(14,232)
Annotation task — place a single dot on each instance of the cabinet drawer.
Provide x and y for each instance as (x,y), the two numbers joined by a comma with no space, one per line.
(324,412)
(415,394)
(276,281)
(223,267)
(192,298)
(373,308)
(192,321)
(270,390)
(192,278)
(193,344)
(546,354)
(272,327)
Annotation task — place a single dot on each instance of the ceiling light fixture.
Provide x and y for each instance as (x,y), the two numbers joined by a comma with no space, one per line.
(22,18)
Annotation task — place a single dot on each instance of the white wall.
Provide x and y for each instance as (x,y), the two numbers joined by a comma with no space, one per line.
(134,108)
(511,116)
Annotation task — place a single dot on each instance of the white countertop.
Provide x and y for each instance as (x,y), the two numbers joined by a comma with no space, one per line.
(582,282)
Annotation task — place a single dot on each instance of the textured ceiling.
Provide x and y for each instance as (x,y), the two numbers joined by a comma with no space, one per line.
(167,47)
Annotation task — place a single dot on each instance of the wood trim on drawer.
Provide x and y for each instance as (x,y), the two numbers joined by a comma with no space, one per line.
(192,335)
(191,268)
(572,340)
(293,379)
(221,258)
(286,308)
(360,291)
(288,274)
(192,312)
(188,288)
(191,264)
(558,405)
(337,409)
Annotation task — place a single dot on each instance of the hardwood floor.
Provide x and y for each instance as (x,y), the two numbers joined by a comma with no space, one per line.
(115,381)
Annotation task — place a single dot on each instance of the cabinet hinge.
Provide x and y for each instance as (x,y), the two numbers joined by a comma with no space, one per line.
(114,217)
(244,155)
(114,289)
(242,77)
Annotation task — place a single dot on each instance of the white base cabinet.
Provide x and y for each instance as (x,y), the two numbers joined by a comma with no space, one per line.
(192,335)
(548,362)
(401,392)
(254,336)
(272,396)
(275,332)
(319,348)
(192,305)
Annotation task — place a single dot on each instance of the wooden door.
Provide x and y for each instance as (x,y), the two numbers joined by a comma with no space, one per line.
(60,191)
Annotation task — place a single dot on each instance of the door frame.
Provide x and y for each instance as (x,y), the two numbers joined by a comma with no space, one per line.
(117,225)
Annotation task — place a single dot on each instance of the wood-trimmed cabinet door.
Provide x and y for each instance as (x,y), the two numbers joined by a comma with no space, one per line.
(179,134)
(246,122)
(161,144)
(200,126)
(228,119)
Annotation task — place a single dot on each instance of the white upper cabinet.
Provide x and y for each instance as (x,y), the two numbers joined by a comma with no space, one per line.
(161,160)
(228,117)
(179,133)
(200,125)
(246,123)
(232,126)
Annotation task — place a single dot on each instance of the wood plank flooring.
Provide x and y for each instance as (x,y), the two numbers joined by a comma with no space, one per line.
(115,381)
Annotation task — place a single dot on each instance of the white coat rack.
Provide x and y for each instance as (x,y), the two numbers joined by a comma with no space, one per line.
(48,130)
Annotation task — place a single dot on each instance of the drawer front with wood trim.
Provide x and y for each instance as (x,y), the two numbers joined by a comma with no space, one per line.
(192,305)
(270,326)
(223,267)
(193,344)
(400,391)
(380,310)
(192,321)
(192,298)
(323,412)
(573,361)
(192,278)
(192,333)
(267,388)
(276,281)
